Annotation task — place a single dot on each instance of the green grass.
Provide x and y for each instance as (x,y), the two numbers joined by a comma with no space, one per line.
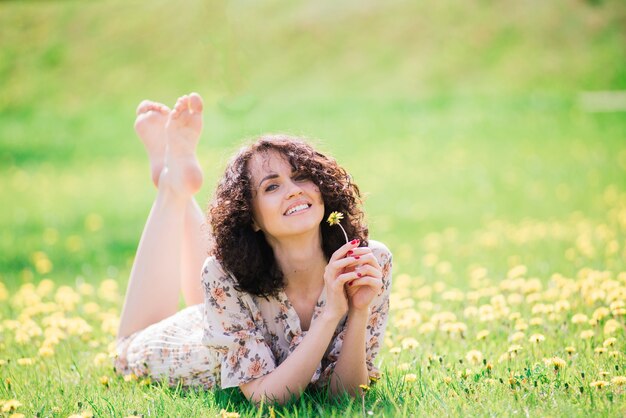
(461,123)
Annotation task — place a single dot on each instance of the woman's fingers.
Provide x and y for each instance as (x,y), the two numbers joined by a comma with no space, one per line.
(344,249)
(373,282)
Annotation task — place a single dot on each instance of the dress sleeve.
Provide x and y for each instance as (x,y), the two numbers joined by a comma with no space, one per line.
(376,324)
(233,327)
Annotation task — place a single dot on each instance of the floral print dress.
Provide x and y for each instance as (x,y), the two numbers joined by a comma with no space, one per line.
(236,337)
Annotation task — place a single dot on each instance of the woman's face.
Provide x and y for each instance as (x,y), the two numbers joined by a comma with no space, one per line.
(285,203)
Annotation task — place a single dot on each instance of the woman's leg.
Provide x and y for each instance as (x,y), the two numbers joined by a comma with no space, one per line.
(194,250)
(155,279)
(150,127)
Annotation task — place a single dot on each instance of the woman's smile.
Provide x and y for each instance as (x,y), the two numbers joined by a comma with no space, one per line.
(283,193)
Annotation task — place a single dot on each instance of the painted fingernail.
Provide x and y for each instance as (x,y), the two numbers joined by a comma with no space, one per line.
(356,257)
(350,252)
(359,275)
(349,283)
(354,241)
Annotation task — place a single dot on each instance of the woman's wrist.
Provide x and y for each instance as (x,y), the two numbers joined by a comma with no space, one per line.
(359,313)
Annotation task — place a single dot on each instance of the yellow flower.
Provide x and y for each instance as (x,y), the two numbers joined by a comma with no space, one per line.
(579,318)
(46,351)
(404,367)
(619,380)
(25,361)
(130,377)
(482,334)
(447,380)
(334,218)
(600,350)
(364,387)
(516,336)
(395,350)
(570,349)
(104,380)
(536,338)
(474,357)
(587,334)
(225,414)
(410,377)
(11,405)
(599,384)
(609,342)
(556,362)
(409,343)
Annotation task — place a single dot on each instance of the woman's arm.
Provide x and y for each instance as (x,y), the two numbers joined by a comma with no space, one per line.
(350,369)
(295,373)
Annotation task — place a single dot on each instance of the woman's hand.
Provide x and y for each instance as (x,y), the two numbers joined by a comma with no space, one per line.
(369,283)
(339,271)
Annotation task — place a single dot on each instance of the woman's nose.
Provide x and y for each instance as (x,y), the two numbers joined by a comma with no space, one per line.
(294,190)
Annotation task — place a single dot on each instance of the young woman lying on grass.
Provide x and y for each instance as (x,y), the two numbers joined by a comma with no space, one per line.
(282,301)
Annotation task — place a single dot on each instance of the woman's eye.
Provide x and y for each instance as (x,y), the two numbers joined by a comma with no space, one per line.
(301,177)
(271,187)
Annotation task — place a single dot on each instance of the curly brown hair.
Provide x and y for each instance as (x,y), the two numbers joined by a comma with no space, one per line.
(245,253)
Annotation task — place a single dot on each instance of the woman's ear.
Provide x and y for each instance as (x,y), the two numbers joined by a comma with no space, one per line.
(255,227)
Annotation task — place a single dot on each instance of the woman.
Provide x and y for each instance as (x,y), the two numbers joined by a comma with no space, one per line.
(287,302)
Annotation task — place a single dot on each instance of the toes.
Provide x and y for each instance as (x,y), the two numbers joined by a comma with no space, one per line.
(195,102)
(147,105)
(144,106)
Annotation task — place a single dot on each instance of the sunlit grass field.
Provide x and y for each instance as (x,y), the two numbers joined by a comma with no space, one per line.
(502,199)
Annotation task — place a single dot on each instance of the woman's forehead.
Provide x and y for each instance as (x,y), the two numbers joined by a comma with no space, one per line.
(266,162)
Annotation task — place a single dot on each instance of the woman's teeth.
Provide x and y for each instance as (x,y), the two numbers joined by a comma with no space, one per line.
(297,209)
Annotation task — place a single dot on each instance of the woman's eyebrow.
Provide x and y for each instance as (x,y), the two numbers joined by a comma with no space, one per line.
(268,177)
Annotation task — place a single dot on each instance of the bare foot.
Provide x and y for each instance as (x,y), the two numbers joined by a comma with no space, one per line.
(150,127)
(184,125)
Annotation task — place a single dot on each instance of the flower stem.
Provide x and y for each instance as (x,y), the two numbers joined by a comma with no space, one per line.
(344,233)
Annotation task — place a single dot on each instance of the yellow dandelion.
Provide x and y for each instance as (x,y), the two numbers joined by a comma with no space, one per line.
(536,338)
(609,342)
(482,334)
(411,377)
(615,354)
(474,356)
(46,351)
(600,350)
(17,415)
(105,380)
(619,380)
(130,377)
(11,405)
(514,348)
(516,336)
(599,384)
(603,373)
(364,387)
(570,349)
(556,362)
(579,318)
(611,326)
(25,361)
(587,334)
(447,380)
(225,414)
(335,219)
(404,367)
(409,343)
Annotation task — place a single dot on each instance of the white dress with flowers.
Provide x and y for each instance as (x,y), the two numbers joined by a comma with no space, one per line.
(235,337)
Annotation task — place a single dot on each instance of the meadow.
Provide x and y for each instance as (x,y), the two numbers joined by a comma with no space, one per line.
(502,199)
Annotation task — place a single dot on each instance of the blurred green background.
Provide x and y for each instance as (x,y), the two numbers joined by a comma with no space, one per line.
(460,120)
